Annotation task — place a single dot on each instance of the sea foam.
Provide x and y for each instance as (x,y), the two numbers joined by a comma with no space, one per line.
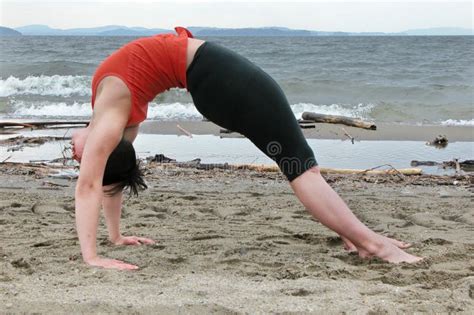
(172,111)
(454,122)
(187,111)
(52,109)
(359,110)
(55,85)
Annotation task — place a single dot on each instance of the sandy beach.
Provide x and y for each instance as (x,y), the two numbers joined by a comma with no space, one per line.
(231,236)
(232,242)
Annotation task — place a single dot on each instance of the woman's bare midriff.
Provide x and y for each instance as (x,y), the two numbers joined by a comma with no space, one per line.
(193,45)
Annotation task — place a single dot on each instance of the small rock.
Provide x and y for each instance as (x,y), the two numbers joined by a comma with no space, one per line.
(20,263)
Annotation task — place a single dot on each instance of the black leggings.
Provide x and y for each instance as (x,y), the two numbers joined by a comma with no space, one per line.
(234,93)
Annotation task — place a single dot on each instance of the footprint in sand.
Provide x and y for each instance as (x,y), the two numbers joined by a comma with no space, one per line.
(158,209)
(189,197)
(297,292)
(48,208)
(23,265)
(151,214)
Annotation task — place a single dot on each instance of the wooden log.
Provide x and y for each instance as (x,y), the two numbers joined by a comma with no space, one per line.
(325,170)
(334,119)
(41,124)
(226,131)
(403,171)
(348,135)
(467,165)
(22,141)
(190,135)
(303,121)
(440,141)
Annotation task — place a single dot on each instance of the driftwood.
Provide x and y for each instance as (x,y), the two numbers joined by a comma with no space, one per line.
(31,140)
(41,124)
(348,135)
(18,143)
(160,158)
(304,124)
(333,119)
(190,135)
(226,131)
(196,163)
(467,165)
(325,170)
(440,141)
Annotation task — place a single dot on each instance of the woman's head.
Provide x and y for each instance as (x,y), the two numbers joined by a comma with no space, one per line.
(122,169)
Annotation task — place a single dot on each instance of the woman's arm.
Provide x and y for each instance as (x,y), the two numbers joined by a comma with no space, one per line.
(112,210)
(112,206)
(104,136)
(107,126)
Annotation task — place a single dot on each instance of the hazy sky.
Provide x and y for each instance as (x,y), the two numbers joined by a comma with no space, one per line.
(354,16)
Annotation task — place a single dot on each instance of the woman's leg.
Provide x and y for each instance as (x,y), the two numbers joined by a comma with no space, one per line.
(329,209)
(234,93)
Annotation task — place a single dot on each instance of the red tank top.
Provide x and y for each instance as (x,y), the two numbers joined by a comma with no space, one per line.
(148,66)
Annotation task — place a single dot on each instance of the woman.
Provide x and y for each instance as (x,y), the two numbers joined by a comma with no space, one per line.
(228,90)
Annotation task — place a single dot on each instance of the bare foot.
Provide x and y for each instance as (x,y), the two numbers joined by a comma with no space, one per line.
(385,249)
(398,243)
(351,248)
(348,245)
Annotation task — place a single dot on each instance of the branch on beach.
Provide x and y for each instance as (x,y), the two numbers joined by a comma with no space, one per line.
(190,135)
(42,124)
(18,143)
(196,163)
(306,124)
(467,165)
(440,141)
(348,135)
(226,131)
(334,119)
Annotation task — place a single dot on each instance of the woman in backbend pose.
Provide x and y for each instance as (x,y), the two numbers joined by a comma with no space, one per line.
(227,89)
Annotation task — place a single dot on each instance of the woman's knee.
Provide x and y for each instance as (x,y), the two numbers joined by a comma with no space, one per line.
(308,174)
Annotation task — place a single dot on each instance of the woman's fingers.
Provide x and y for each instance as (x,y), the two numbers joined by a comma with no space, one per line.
(122,266)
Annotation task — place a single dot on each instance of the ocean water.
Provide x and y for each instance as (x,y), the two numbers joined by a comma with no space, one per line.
(403,80)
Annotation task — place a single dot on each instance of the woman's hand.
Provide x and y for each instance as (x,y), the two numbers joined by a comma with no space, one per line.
(132,240)
(110,263)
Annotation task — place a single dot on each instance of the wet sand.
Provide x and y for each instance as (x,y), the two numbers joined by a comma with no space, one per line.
(232,242)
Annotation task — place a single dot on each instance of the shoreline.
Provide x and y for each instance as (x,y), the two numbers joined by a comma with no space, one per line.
(385,131)
(325,131)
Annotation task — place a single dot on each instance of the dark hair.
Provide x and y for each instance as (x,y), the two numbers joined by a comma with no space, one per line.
(123,170)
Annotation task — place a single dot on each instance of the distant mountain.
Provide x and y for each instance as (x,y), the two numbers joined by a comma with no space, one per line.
(132,32)
(263,31)
(117,30)
(109,30)
(440,31)
(5,31)
(36,30)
